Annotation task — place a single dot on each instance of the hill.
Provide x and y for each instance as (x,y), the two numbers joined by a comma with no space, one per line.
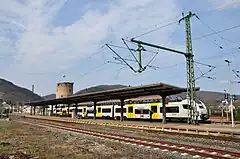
(206,95)
(13,94)
(100,88)
(50,96)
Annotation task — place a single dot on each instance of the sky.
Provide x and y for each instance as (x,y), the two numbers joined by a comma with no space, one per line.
(43,40)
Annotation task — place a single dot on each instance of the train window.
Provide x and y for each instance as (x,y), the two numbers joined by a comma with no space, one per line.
(106,110)
(90,111)
(99,110)
(172,109)
(130,109)
(186,106)
(145,111)
(118,110)
(201,107)
(137,111)
(79,110)
(57,110)
(142,111)
(154,109)
(70,110)
(84,109)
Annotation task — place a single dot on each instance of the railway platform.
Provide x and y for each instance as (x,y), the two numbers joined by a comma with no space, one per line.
(202,129)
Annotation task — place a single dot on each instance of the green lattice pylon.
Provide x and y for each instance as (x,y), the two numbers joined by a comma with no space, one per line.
(190,69)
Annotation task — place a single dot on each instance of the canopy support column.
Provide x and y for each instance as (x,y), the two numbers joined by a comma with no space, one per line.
(95,108)
(122,110)
(163,109)
(34,110)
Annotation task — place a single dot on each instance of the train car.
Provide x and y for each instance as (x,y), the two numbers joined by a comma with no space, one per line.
(102,111)
(117,112)
(203,113)
(139,109)
(174,110)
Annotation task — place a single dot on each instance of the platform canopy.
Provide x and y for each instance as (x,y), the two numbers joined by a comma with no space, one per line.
(161,89)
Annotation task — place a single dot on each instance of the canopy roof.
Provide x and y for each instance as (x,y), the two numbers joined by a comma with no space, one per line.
(161,89)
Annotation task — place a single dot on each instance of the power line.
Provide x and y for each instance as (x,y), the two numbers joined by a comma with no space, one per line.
(160,27)
(227,29)
(94,70)
(165,44)
(121,58)
(217,33)
(138,61)
(156,25)
(213,10)
(121,47)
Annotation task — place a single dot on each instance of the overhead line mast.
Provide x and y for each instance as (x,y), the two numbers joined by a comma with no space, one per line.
(191,95)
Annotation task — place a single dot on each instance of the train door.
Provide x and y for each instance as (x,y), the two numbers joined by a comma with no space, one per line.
(113,110)
(84,111)
(130,111)
(99,111)
(154,107)
(60,112)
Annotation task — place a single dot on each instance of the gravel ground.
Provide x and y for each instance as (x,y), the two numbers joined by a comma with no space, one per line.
(210,143)
(28,141)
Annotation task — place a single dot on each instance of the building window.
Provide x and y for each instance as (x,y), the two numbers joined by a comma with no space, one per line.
(70,90)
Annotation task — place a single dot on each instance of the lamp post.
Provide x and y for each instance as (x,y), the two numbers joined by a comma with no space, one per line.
(230,94)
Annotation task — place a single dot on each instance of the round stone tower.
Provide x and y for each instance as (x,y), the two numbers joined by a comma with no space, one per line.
(64,89)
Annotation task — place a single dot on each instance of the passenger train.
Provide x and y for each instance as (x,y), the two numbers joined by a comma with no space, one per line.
(134,110)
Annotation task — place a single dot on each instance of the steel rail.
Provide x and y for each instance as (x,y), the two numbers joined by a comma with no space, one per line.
(170,146)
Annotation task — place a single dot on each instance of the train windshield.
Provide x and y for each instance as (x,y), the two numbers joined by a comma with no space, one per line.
(200,104)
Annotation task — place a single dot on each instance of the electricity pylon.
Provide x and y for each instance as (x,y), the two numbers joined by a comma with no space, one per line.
(191,95)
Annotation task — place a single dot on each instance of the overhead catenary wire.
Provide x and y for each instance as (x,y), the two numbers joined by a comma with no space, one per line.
(220,31)
(121,58)
(132,53)
(121,47)
(160,27)
(165,44)
(224,6)
(223,38)
(203,74)
(236,73)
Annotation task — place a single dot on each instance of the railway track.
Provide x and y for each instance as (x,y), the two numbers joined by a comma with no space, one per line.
(149,129)
(183,149)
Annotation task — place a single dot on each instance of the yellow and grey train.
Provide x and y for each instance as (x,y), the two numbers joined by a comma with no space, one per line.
(134,110)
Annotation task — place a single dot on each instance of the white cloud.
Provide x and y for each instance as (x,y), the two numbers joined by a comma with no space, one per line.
(39,45)
(225,4)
